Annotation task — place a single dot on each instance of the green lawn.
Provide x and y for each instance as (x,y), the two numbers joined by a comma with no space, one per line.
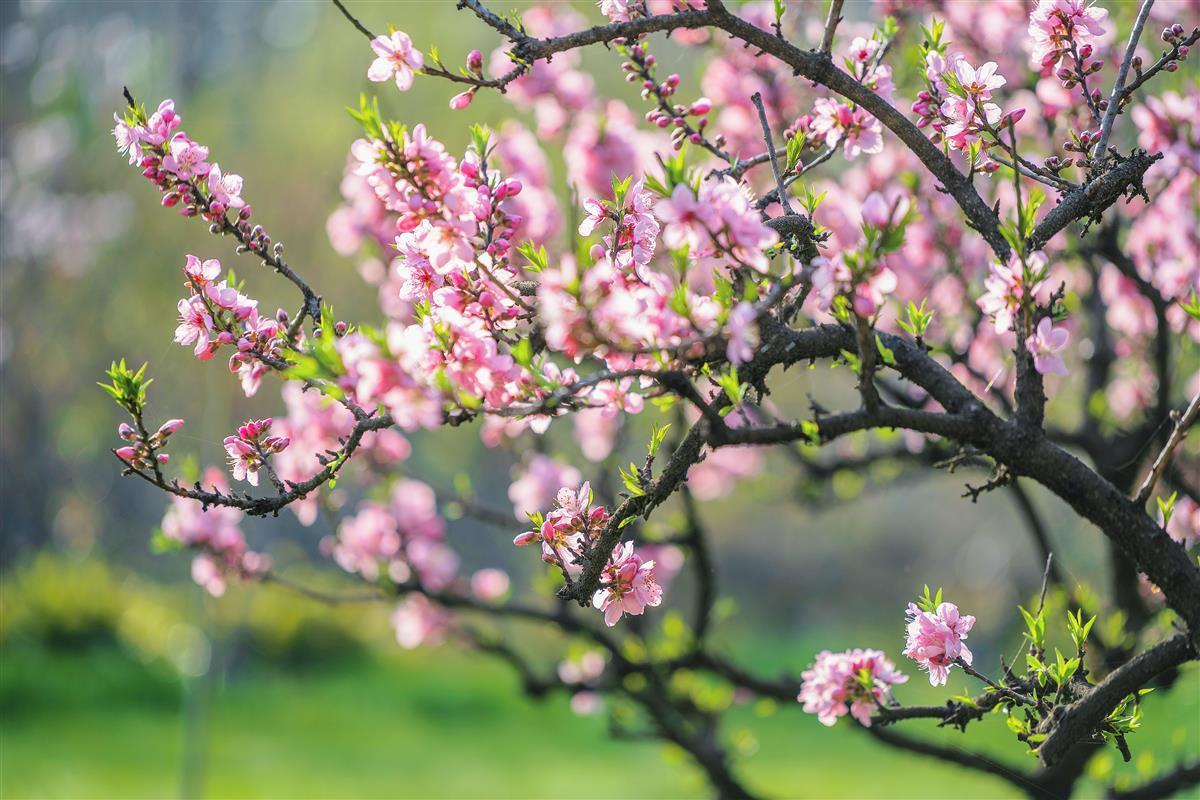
(442,723)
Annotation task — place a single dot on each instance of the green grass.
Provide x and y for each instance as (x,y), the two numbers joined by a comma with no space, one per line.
(96,723)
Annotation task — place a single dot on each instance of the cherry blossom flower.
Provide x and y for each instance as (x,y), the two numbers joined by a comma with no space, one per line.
(249,448)
(858,131)
(185,158)
(1010,285)
(539,484)
(1046,344)
(217,534)
(489,584)
(627,585)
(742,329)
(1054,24)
(396,57)
(225,189)
(855,682)
(935,639)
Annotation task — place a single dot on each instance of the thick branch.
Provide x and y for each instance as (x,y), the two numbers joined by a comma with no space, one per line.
(1080,721)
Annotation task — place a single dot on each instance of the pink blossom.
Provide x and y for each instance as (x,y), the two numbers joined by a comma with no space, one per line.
(201,272)
(417,620)
(742,329)
(185,158)
(627,585)
(1010,285)
(855,681)
(861,49)
(620,10)
(396,56)
(195,325)
(1046,344)
(249,448)
(855,128)
(1053,25)
(935,639)
(226,190)
(978,83)
(489,584)
(539,483)
(215,532)
(462,100)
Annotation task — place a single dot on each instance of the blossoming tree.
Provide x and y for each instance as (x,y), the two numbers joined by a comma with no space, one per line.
(977,273)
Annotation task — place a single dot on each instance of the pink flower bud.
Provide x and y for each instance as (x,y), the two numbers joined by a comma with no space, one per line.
(162,458)
(126,453)
(462,100)
(522,539)
(126,432)
(475,61)
(169,427)
(1012,117)
(701,106)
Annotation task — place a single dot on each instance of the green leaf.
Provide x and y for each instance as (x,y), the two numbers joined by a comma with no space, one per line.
(657,435)
(885,352)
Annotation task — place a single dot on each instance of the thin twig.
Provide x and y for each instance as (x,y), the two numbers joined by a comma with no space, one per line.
(346,13)
(1182,425)
(1114,100)
(831,23)
(756,98)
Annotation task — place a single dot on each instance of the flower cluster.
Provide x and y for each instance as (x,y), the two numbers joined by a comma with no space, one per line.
(569,532)
(626,586)
(249,449)
(142,452)
(178,166)
(403,539)
(862,275)
(835,123)
(1059,29)
(1013,286)
(215,532)
(935,639)
(217,314)
(855,682)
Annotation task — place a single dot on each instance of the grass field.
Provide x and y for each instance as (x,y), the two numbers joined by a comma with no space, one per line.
(96,723)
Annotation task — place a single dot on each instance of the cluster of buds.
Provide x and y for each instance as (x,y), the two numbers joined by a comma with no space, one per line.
(1173,36)
(1083,66)
(495,220)
(639,67)
(1081,143)
(142,452)
(567,532)
(249,449)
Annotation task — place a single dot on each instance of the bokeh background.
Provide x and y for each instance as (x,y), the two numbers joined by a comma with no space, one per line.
(118,677)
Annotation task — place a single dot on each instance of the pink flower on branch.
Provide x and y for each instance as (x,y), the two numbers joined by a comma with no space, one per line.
(1046,344)
(396,57)
(250,447)
(935,639)
(855,682)
(627,585)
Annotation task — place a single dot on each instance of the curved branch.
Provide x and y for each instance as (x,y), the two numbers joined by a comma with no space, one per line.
(1080,721)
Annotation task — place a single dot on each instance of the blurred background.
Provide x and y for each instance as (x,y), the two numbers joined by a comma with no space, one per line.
(119,677)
